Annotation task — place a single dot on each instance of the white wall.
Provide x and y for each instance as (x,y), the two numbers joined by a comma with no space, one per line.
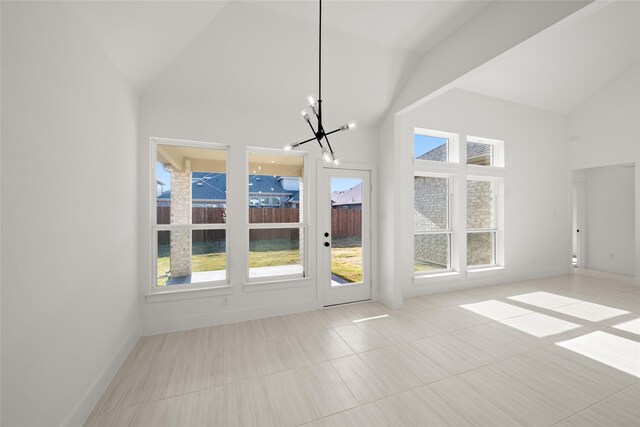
(536,179)
(69,238)
(610,219)
(465,51)
(605,131)
(163,115)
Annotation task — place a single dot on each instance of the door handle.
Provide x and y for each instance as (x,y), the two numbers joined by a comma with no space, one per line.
(327,244)
(326,234)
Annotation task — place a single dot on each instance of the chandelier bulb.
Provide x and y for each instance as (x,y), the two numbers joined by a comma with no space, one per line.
(326,156)
(288,147)
(336,161)
(305,115)
(312,100)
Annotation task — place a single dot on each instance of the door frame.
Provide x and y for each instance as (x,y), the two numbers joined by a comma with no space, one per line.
(322,170)
(579,204)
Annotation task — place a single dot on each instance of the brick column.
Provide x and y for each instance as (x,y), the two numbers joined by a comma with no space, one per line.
(181,214)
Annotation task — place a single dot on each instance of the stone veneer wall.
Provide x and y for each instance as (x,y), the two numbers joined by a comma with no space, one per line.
(479,207)
(181,214)
(430,214)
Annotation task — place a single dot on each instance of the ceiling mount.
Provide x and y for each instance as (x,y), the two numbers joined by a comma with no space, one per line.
(319,134)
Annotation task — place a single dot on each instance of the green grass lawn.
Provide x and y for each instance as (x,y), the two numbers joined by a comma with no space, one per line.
(419,265)
(346,259)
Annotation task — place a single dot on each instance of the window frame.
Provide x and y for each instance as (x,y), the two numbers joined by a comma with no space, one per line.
(453,147)
(460,172)
(154,289)
(495,184)
(448,231)
(497,152)
(302,225)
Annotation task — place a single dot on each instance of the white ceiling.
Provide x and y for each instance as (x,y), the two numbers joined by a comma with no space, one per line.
(263,52)
(143,37)
(560,71)
(410,25)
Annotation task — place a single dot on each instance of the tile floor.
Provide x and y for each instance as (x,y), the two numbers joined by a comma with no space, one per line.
(558,351)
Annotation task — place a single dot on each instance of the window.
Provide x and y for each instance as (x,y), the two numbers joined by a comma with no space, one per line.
(190,230)
(432,224)
(434,146)
(485,152)
(481,222)
(276,234)
(446,238)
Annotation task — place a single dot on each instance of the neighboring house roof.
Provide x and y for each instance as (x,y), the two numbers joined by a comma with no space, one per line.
(477,150)
(347,197)
(295,197)
(213,186)
(266,184)
(439,153)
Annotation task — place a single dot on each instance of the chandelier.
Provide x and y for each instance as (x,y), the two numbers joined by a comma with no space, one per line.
(319,134)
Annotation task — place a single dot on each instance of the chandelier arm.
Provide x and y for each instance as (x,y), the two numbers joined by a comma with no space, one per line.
(311,126)
(303,142)
(333,131)
(328,144)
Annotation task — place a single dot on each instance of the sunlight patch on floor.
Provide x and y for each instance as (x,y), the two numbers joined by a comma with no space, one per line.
(590,311)
(496,310)
(632,326)
(544,299)
(539,325)
(612,350)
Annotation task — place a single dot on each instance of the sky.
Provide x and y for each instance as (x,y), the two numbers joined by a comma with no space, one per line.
(341,184)
(423,144)
(164,176)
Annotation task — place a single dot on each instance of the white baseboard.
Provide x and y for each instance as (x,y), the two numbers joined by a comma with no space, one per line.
(79,414)
(469,283)
(204,320)
(605,274)
(390,301)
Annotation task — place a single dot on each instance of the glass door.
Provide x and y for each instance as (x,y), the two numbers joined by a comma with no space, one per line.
(345,235)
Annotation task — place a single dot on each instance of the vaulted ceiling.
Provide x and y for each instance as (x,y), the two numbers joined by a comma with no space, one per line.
(560,70)
(264,53)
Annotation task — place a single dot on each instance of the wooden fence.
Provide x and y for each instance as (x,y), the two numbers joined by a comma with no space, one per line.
(344,223)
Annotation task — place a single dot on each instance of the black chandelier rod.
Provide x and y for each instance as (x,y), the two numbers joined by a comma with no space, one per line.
(320,65)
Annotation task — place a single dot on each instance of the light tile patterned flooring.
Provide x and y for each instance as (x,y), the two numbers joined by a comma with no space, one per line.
(458,359)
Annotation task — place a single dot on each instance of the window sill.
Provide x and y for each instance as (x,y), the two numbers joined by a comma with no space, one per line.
(494,270)
(487,269)
(183,294)
(449,276)
(277,283)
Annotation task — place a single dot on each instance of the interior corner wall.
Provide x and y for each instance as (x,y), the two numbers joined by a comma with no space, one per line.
(239,127)
(390,290)
(605,131)
(537,209)
(609,214)
(69,238)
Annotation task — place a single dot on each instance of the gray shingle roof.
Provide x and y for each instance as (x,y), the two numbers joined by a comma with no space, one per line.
(213,186)
(439,153)
(347,197)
